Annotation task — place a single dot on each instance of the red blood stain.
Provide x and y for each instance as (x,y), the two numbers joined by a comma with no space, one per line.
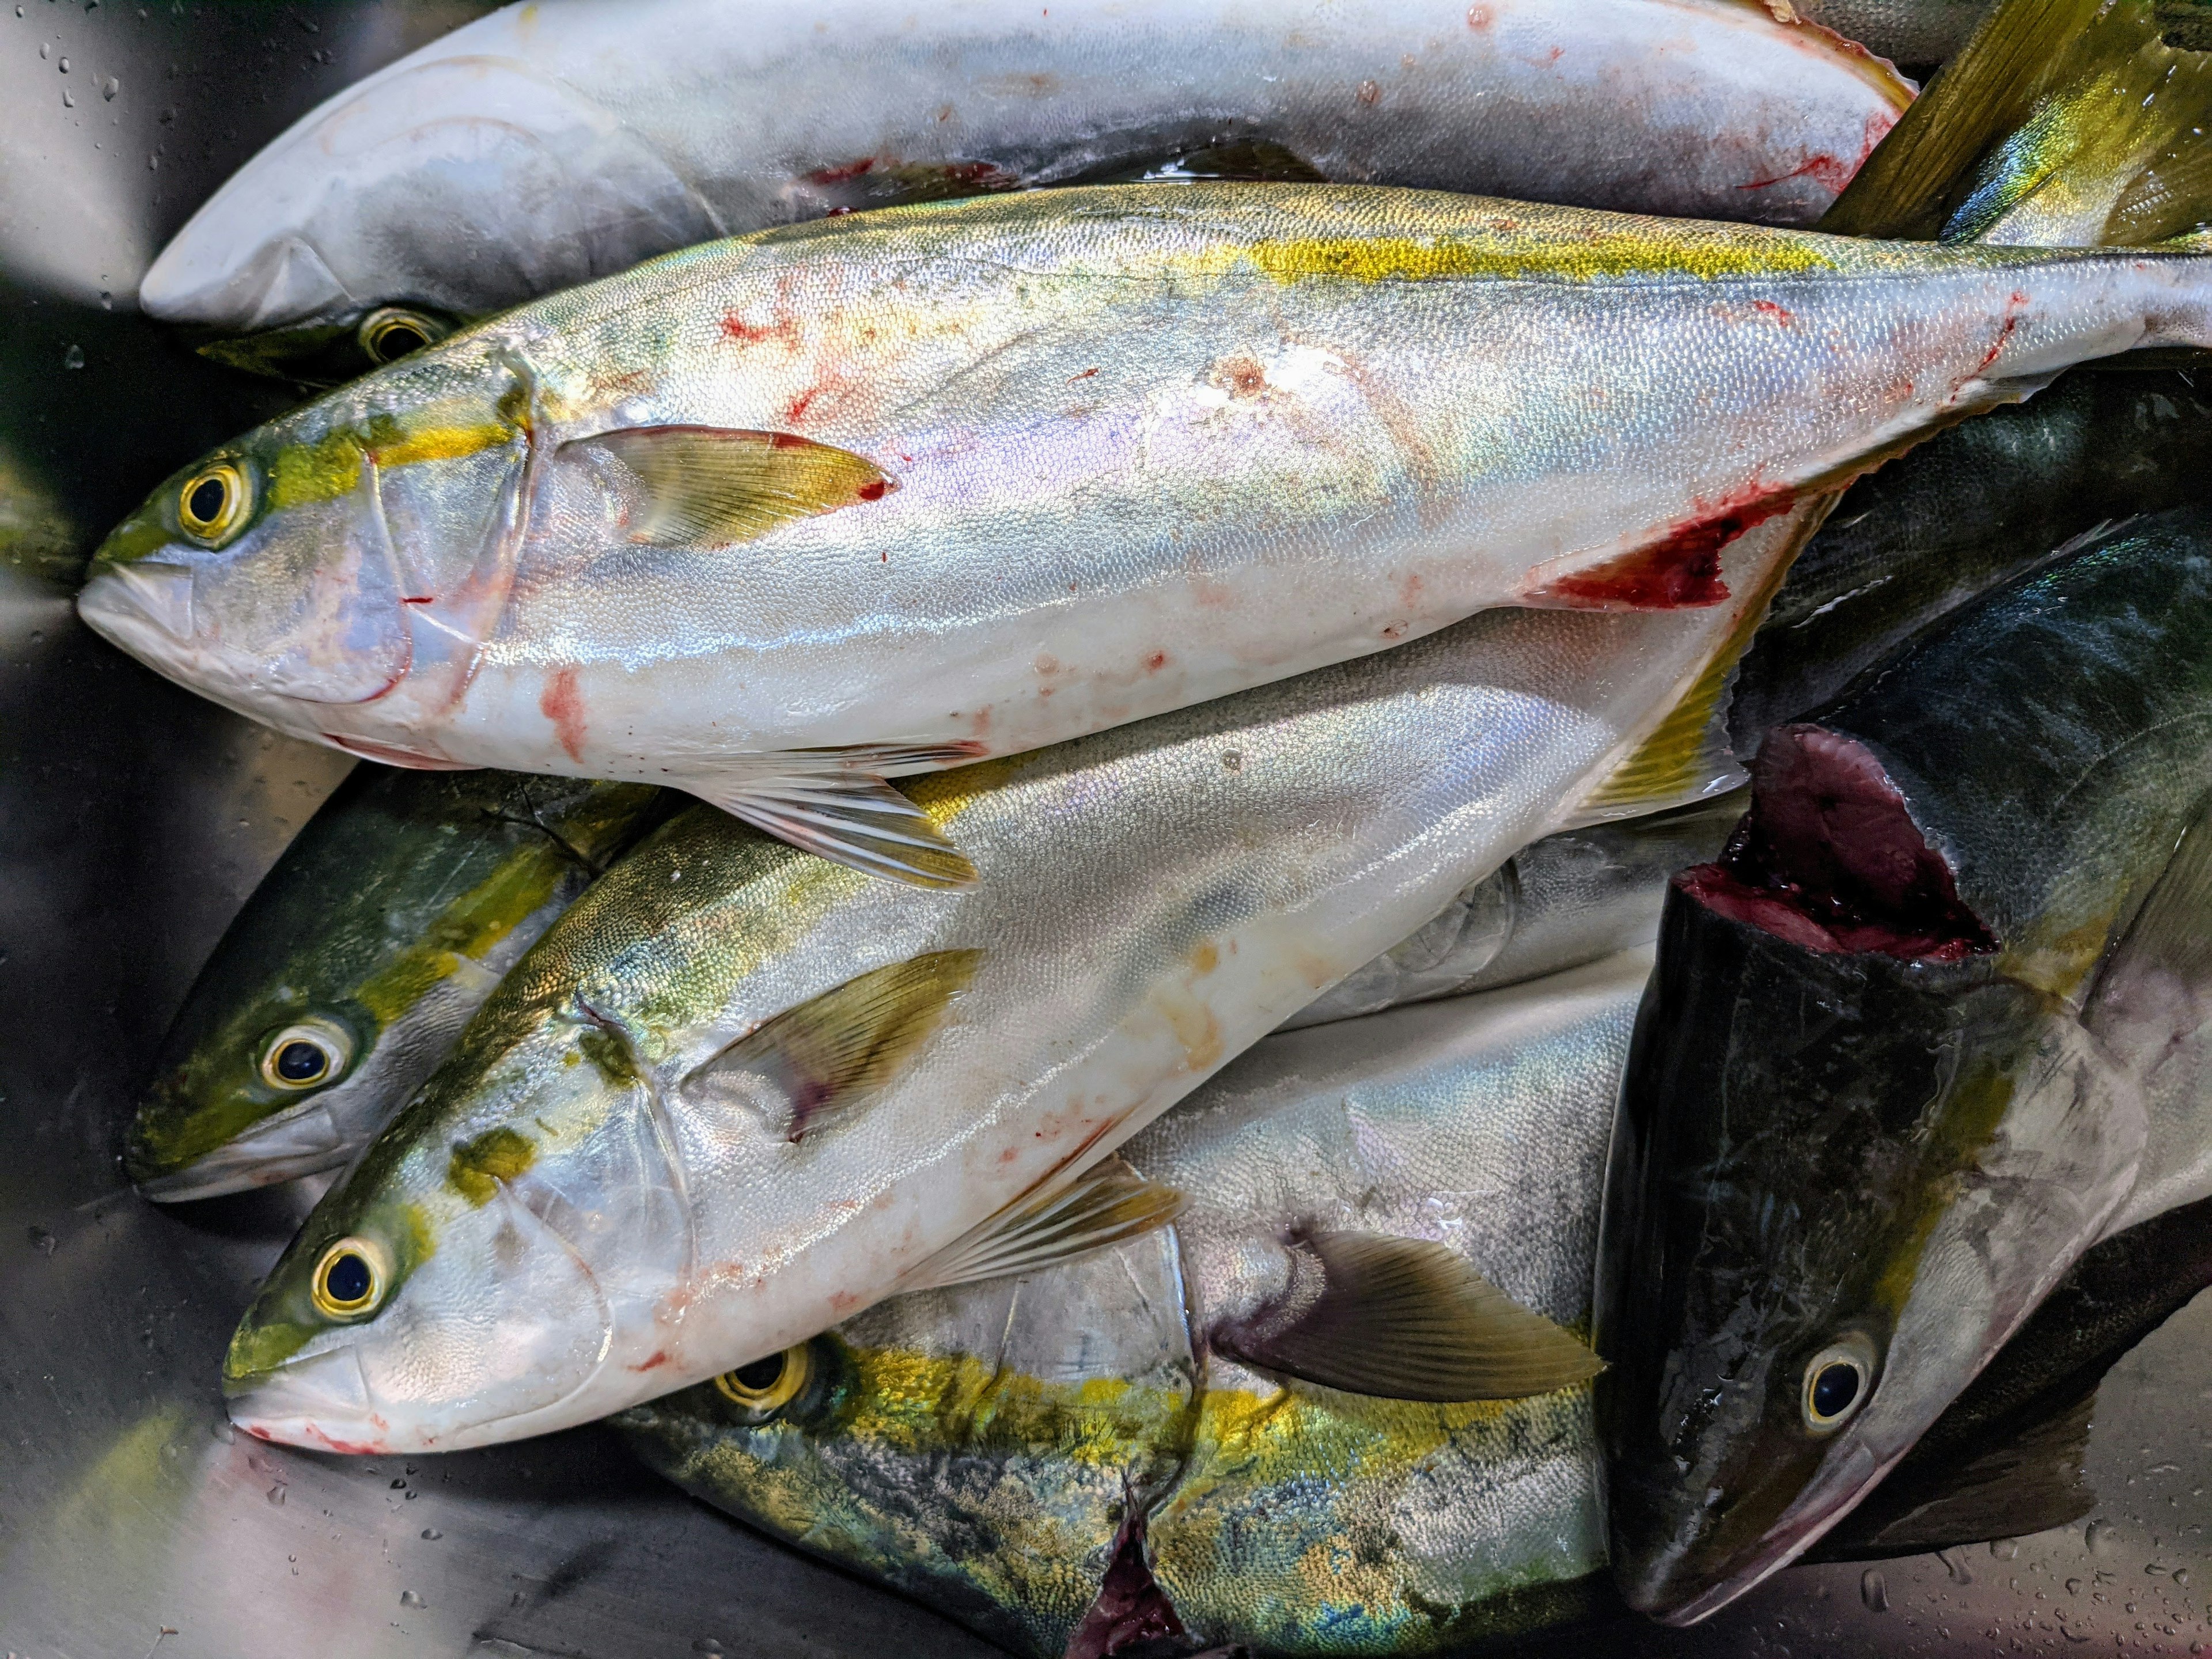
(660,1358)
(875,490)
(1156,662)
(1680,570)
(841,175)
(419,598)
(798,407)
(2013,308)
(1831,172)
(1084,375)
(1131,1610)
(563,704)
(1368,93)
(788,441)
(1781,314)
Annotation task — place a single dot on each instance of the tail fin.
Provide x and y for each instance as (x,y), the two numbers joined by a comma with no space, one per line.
(2061,123)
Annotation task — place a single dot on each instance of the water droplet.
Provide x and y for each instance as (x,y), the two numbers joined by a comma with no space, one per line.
(220,1430)
(276,1494)
(64,66)
(153,164)
(1955,1564)
(2181,1578)
(409,1599)
(2103,1538)
(397,1486)
(109,88)
(1873,1591)
(68,102)
(432,1533)
(2072,1587)
(45,52)
(2004,1549)
(706,1644)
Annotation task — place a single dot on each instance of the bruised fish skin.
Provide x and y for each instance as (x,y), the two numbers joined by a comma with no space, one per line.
(1969,509)
(979,1446)
(1572,897)
(1200,436)
(569,1233)
(1817,1140)
(549,145)
(384,924)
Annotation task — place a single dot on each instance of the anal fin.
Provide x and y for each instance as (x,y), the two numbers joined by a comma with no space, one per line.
(1106,1204)
(1404,1319)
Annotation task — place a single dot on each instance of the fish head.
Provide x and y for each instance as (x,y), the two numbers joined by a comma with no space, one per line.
(980,1448)
(494,1263)
(305,573)
(1839,1183)
(447,186)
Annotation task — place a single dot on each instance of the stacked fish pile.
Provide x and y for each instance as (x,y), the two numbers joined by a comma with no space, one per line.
(1112,927)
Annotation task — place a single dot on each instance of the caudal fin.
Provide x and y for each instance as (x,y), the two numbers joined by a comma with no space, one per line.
(2060,124)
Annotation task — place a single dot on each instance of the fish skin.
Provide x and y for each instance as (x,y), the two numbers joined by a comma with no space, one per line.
(982,1445)
(390,917)
(1201,437)
(1969,509)
(1816,1140)
(1572,897)
(550,145)
(1920,33)
(1156,899)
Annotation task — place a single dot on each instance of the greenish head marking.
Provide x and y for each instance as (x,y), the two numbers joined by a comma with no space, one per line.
(478,1167)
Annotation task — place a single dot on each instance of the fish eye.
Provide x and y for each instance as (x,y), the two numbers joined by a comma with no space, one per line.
(1838,1380)
(216,502)
(305,1056)
(349,1278)
(393,331)
(767,1385)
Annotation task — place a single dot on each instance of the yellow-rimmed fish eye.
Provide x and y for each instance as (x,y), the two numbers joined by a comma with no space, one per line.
(393,331)
(1837,1381)
(767,1385)
(306,1055)
(350,1278)
(216,502)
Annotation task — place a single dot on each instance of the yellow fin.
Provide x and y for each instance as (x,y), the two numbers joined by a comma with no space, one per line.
(813,1065)
(849,817)
(704,486)
(1404,1319)
(1106,1204)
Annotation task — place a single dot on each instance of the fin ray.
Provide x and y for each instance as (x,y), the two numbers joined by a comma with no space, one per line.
(703,486)
(1106,1204)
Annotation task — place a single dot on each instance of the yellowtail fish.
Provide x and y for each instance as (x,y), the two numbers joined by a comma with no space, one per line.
(354,966)
(774,518)
(551,143)
(1106,1452)
(737,1093)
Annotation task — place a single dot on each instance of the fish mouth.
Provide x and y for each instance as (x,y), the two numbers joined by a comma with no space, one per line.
(321,1403)
(143,607)
(304,1141)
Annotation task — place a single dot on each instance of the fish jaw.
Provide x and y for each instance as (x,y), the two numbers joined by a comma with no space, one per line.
(300,1142)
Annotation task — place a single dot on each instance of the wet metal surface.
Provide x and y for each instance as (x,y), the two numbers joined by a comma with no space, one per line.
(133,820)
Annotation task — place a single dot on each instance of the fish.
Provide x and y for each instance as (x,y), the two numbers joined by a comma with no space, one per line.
(552,144)
(2006,1458)
(776,520)
(738,1094)
(1090,1455)
(1970,510)
(1915,1043)
(348,973)
(1917,34)
(1573,897)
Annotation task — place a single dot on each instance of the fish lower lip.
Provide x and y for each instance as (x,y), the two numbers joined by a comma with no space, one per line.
(139,597)
(321,1403)
(282,1151)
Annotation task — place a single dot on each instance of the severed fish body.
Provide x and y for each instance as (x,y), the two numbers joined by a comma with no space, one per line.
(737,1094)
(551,144)
(1936,1022)
(776,519)
(1057,1458)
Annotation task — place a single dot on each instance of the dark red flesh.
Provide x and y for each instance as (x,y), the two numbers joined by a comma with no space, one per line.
(1829,858)
(1680,570)
(1132,1611)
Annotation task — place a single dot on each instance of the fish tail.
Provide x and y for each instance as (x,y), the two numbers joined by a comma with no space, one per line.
(2060,124)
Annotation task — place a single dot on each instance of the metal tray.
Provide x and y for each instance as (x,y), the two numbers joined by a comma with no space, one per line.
(133,820)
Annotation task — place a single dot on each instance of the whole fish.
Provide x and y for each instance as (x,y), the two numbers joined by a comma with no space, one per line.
(1569,898)
(776,519)
(549,144)
(990,1449)
(738,1094)
(2006,1459)
(1970,509)
(354,966)
(1911,1044)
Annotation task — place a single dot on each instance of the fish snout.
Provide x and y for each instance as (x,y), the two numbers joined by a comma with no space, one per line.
(304,1141)
(144,607)
(200,280)
(321,1402)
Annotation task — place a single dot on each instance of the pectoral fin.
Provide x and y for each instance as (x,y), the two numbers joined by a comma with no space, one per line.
(812,1065)
(1404,1319)
(704,486)
(2166,951)
(847,817)
(1106,1204)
